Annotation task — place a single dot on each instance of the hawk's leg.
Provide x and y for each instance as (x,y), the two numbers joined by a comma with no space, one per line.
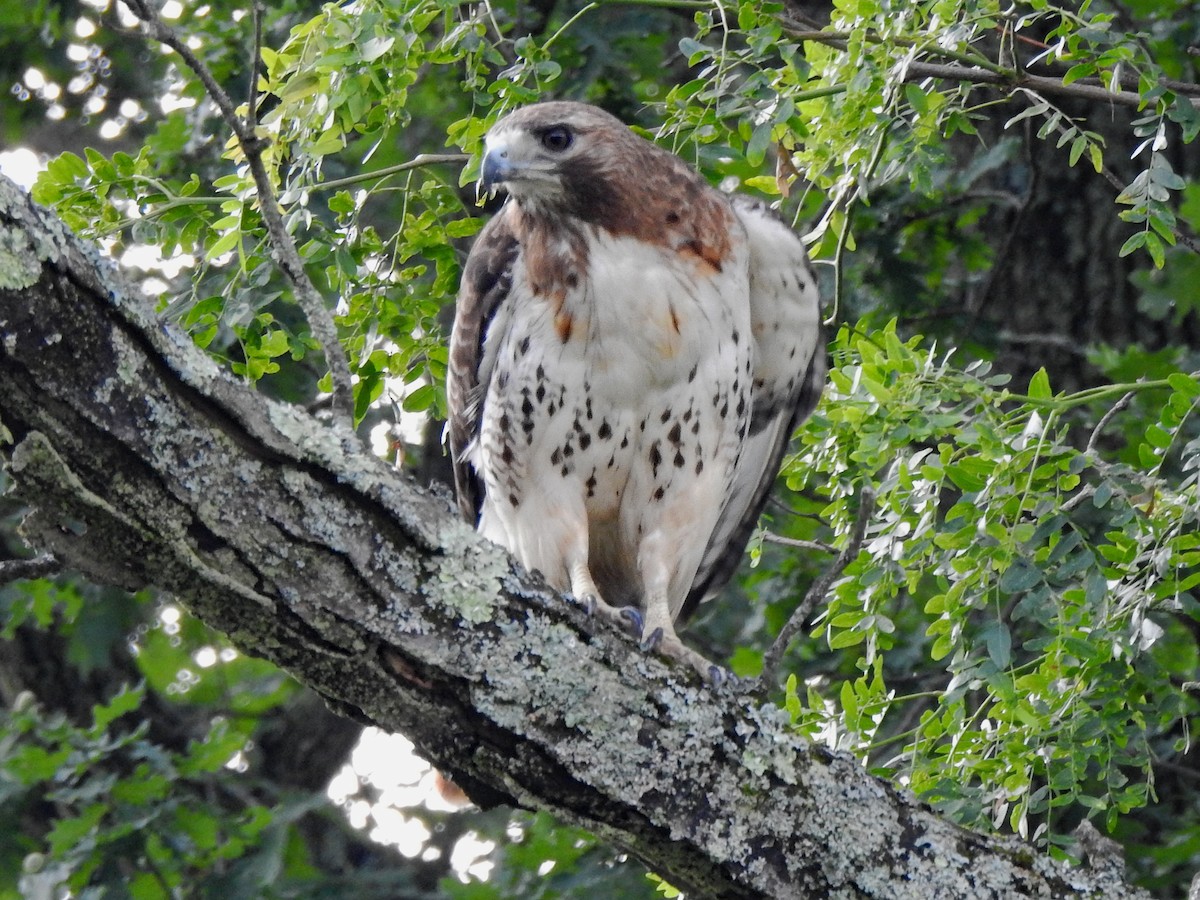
(659,633)
(584,589)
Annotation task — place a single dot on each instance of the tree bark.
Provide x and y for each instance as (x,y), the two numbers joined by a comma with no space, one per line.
(140,462)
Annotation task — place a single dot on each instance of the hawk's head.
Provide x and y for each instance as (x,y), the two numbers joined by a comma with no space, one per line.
(562,160)
(550,153)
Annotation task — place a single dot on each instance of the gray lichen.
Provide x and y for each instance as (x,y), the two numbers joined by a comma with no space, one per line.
(466,579)
(20,267)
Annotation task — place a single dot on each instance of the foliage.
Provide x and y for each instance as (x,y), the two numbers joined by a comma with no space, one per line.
(869,99)
(1045,580)
(543,860)
(158,791)
(148,817)
(126,807)
(1016,638)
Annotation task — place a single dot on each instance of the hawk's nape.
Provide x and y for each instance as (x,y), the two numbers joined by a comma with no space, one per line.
(632,350)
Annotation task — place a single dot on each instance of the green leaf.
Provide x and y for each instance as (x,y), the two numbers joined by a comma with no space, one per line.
(223,245)
(849,701)
(661,886)
(100,164)
(201,826)
(1157,436)
(1154,246)
(1079,70)
(127,700)
(1135,242)
(941,647)
(341,203)
(68,833)
(693,50)
(30,765)
(791,699)
(464,228)
(917,98)
(1036,109)
(760,140)
(843,639)
(1184,384)
(147,886)
(214,751)
(143,788)
(1019,577)
(1039,385)
(999,645)
(1078,146)
(421,399)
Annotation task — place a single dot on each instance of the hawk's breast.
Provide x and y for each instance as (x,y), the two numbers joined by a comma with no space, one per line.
(617,385)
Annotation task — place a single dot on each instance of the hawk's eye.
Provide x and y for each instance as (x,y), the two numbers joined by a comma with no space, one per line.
(558,138)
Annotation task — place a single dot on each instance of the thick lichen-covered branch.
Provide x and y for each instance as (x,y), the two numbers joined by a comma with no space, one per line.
(140,463)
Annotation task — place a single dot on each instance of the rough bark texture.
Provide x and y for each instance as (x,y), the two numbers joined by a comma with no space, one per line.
(142,464)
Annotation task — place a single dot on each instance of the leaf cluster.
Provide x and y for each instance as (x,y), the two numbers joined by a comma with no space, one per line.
(1051,585)
(123,808)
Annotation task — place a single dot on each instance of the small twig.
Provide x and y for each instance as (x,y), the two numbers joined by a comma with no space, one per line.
(38,567)
(844,233)
(772,538)
(1086,492)
(283,248)
(417,162)
(1117,407)
(177,202)
(1062,342)
(974,68)
(255,56)
(1042,84)
(818,590)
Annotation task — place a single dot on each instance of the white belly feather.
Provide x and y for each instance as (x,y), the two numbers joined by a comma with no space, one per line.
(647,398)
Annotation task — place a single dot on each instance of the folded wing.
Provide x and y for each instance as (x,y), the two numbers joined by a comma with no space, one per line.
(789,373)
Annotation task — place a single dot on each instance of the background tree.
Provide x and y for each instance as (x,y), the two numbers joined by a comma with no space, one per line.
(1014,640)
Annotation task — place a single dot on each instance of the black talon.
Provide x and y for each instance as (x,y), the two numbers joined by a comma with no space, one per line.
(718,677)
(631,615)
(651,641)
(589,603)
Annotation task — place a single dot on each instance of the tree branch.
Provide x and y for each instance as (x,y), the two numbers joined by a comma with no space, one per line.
(41,566)
(1015,80)
(972,70)
(283,248)
(142,463)
(817,591)
(795,543)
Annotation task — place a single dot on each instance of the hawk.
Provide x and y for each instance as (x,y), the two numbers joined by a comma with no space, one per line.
(632,350)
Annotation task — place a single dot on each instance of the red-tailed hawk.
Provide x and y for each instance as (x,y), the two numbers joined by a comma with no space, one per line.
(631,351)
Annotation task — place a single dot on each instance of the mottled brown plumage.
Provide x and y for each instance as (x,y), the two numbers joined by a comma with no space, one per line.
(631,351)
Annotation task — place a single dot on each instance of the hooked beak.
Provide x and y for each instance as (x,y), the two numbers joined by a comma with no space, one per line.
(509,161)
(496,169)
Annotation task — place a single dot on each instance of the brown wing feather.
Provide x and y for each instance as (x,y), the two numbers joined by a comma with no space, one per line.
(721,562)
(789,375)
(486,283)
